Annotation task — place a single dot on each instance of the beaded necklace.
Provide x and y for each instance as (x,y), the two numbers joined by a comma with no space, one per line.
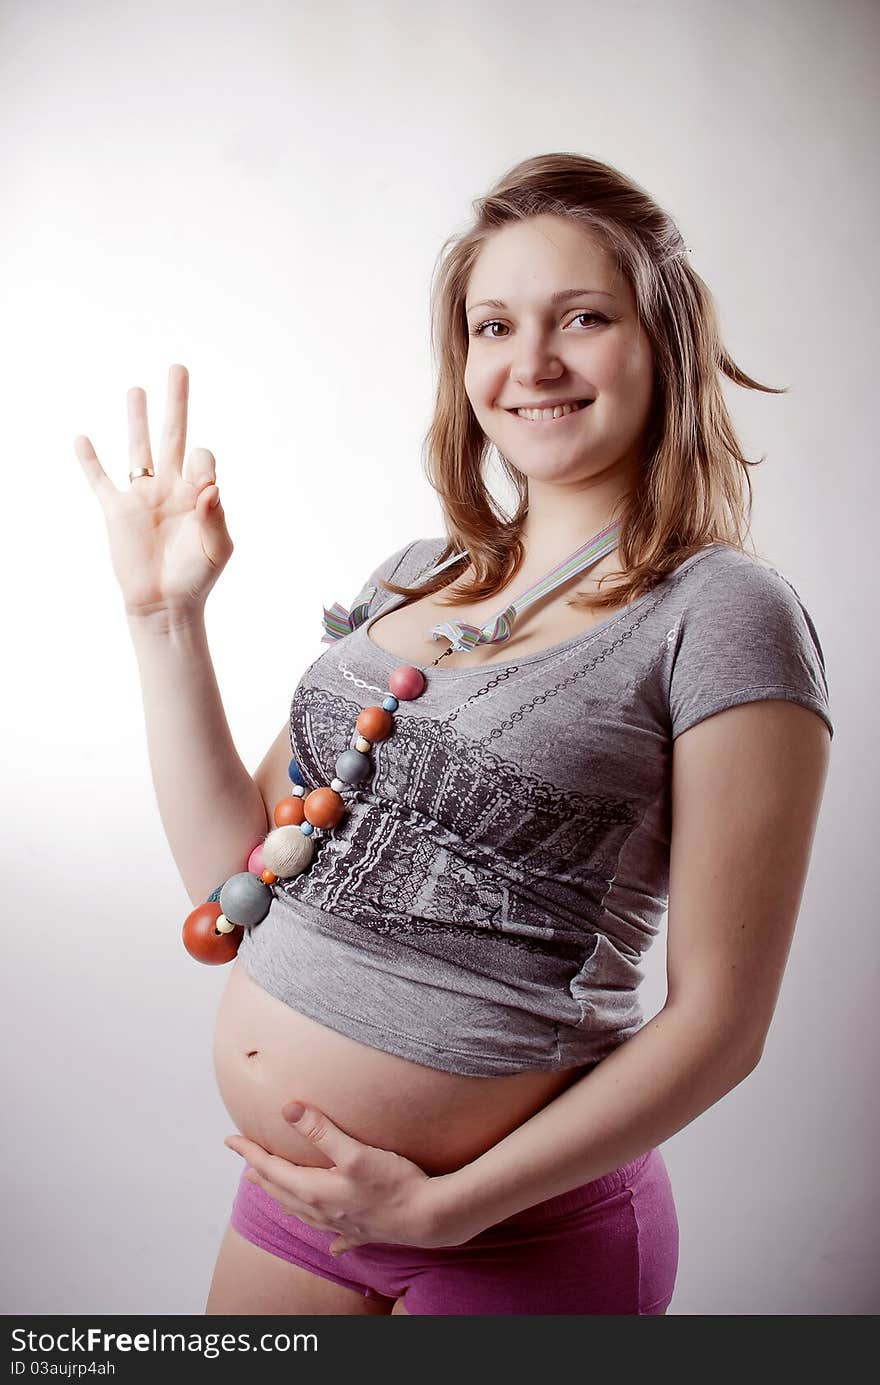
(213,931)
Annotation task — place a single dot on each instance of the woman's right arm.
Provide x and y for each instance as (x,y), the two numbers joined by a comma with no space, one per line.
(211,808)
(168,545)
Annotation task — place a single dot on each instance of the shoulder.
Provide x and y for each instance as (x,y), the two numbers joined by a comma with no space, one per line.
(409,563)
(743,634)
(729,583)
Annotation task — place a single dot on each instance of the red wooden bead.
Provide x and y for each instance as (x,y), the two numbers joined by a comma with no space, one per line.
(375,724)
(407,682)
(289,812)
(323,807)
(201,939)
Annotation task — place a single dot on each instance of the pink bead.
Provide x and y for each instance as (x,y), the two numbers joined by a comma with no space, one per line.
(407,682)
(255,861)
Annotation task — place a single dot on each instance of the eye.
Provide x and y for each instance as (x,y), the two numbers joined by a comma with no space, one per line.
(480,328)
(597,317)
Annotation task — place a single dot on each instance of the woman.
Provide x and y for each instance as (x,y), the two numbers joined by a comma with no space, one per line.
(432,1042)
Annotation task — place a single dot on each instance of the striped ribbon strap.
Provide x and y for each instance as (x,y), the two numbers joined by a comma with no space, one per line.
(465,637)
(338,621)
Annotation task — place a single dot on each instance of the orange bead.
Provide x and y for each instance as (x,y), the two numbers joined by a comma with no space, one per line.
(375,724)
(268,876)
(202,940)
(323,807)
(289,812)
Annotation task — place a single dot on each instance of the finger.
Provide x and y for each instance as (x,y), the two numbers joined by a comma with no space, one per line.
(322,1132)
(292,1206)
(339,1247)
(268,1166)
(249,1150)
(139,453)
(95,474)
(201,468)
(173,442)
(302,1181)
(280,1195)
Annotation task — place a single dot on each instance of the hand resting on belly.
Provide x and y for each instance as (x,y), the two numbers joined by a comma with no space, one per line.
(266,1055)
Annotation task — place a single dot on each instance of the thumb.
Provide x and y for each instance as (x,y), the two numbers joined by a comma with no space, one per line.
(209,500)
(214,535)
(320,1129)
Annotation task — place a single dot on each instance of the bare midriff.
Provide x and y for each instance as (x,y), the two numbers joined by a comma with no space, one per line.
(267,1054)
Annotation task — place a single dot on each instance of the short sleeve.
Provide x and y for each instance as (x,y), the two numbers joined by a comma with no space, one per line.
(744,637)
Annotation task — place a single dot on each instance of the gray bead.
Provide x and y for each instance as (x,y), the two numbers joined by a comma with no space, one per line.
(352,766)
(244,899)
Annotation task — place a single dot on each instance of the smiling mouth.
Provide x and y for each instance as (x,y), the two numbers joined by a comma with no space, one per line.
(538,416)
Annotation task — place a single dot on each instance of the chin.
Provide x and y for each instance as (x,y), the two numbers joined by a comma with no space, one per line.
(544,465)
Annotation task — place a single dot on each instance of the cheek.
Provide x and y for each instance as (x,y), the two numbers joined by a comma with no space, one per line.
(638,366)
(476,381)
(482,388)
(471,386)
(642,386)
(627,373)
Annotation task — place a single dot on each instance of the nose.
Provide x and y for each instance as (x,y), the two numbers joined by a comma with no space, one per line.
(535,362)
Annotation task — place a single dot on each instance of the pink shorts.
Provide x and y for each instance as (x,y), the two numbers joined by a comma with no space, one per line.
(607,1247)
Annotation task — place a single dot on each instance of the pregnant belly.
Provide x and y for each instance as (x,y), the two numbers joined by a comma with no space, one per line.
(266,1054)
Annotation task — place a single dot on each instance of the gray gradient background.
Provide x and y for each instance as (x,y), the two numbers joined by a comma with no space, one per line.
(261,193)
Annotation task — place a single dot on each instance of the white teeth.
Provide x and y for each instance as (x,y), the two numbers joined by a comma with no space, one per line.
(544,415)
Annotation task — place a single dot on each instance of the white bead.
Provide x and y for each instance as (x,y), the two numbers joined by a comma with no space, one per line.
(338,785)
(287,851)
(363,745)
(223,925)
(297,791)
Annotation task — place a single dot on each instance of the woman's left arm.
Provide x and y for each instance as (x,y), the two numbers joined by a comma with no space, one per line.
(747,785)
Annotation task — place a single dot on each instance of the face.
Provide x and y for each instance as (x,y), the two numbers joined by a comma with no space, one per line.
(526,349)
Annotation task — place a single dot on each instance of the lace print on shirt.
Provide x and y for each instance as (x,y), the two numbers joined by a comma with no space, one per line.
(449,830)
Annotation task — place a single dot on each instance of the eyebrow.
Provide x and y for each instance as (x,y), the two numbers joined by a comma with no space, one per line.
(562,296)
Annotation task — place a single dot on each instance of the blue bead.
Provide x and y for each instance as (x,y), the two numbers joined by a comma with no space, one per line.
(390,703)
(307,828)
(294,773)
(214,896)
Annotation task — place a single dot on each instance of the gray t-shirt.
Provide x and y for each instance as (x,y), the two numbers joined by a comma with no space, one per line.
(483,904)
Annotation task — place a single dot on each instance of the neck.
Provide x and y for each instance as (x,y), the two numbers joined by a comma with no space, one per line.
(562,517)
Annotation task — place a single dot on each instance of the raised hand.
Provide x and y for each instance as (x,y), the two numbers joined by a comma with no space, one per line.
(168,536)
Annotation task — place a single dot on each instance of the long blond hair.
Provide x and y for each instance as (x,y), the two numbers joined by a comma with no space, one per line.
(693,478)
